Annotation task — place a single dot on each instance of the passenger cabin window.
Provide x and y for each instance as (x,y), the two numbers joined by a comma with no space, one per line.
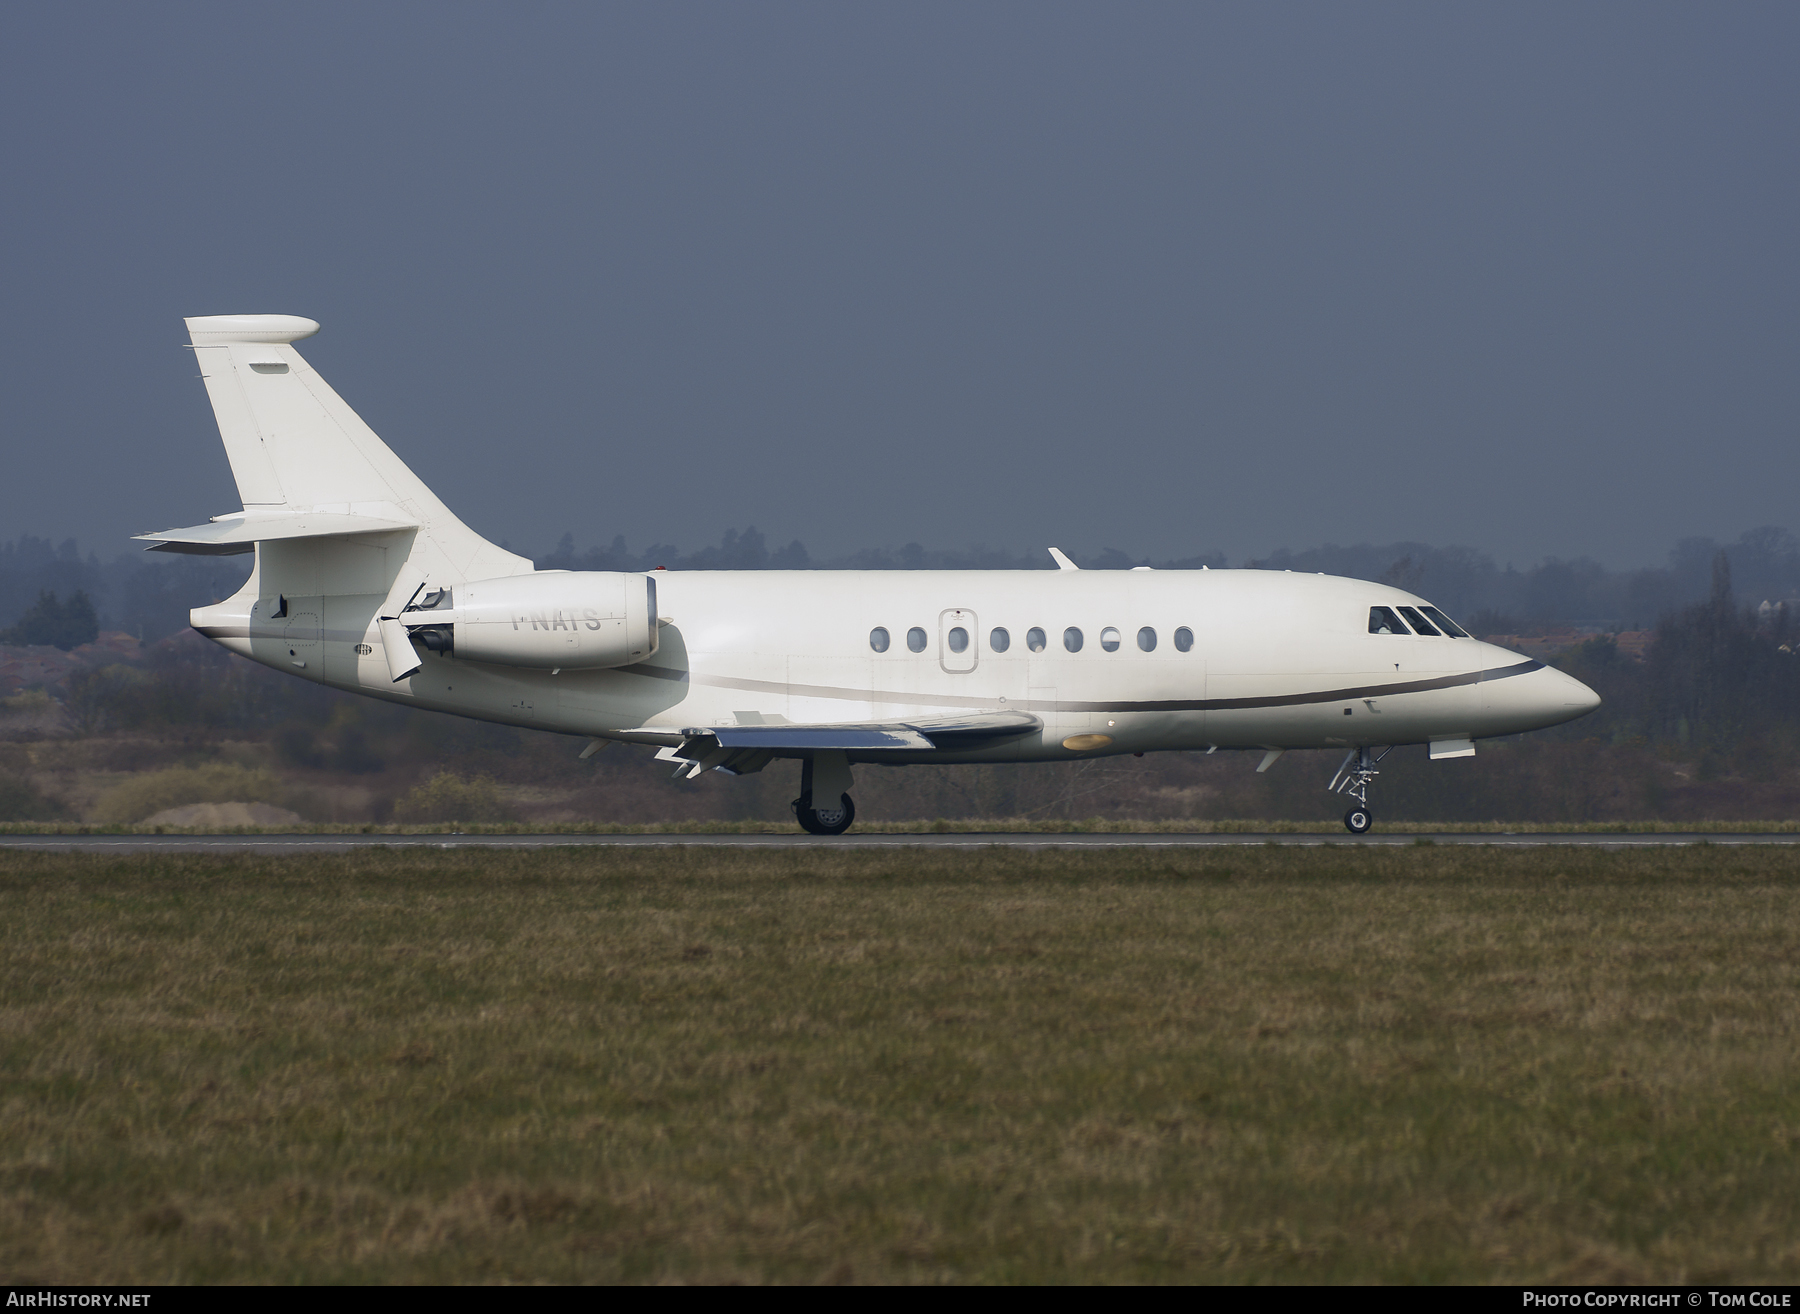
(1184,639)
(1072,639)
(1444,623)
(999,640)
(1035,640)
(878,638)
(1419,623)
(958,639)
(1109,639)
(1383,621)
(915,639)
(1146,640)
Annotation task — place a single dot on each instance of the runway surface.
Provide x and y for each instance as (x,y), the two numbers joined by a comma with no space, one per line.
(301,844)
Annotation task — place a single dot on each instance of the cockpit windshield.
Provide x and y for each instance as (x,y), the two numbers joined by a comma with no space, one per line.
(1444,623)
(1383,621)
(1419,623)
(1427,622)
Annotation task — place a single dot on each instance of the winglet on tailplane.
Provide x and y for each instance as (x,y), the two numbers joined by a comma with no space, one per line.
(308,468)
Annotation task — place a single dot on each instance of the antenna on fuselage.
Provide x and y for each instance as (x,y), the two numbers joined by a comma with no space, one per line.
(1062,562)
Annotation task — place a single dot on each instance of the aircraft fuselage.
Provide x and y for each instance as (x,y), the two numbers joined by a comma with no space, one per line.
(1276,660)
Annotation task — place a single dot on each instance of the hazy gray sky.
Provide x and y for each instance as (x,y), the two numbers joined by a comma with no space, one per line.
(1165,278)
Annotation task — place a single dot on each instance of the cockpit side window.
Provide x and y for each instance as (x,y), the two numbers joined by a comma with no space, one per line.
(1444,623)
(1383,621)
(1419,623)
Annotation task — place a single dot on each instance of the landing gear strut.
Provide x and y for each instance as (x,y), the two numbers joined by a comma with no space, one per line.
(1353,778)
(825,776)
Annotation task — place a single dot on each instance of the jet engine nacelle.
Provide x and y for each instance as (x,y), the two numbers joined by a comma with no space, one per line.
(554,619)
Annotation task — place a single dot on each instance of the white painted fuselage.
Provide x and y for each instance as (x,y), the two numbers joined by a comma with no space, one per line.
(1278,660)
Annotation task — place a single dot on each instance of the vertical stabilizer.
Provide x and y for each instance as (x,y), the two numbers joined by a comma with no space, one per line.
(295,446)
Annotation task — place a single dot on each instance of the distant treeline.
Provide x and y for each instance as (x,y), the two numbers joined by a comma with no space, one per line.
(150,596)
(1720,686)
(147,596)
(55,622)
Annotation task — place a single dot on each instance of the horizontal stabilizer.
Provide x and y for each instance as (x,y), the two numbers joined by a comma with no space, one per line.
(231,535)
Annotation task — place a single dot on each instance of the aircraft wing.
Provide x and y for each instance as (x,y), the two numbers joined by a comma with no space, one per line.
(742,749)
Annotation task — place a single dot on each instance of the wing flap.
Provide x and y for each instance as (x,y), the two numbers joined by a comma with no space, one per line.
(747,748)
(948,731)
(920,735)
(850,738)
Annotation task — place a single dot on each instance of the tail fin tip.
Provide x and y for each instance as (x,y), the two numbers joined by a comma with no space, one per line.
(216,330)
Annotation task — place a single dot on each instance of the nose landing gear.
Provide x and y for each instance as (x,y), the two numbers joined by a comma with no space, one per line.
(1353,778)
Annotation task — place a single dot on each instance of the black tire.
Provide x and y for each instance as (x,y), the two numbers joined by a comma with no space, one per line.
(1357,820)
(804,814)
(832,821)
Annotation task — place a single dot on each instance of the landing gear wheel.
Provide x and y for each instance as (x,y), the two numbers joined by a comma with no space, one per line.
(824,821)
(1357,820)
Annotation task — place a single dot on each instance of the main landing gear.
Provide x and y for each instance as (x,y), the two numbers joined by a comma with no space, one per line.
(825,776)
(824,821)
(1353,778)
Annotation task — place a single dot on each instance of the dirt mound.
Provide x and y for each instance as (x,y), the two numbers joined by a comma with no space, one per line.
(226,815)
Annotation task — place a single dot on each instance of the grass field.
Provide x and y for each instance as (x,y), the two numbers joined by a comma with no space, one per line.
(1421,1064)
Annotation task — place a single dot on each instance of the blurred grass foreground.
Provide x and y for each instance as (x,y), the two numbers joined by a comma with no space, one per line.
(1408,1065)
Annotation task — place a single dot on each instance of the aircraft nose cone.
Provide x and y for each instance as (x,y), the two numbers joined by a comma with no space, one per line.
(1577,698)
(1536,700)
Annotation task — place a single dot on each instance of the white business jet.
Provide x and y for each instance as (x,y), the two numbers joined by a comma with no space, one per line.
(365,581)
